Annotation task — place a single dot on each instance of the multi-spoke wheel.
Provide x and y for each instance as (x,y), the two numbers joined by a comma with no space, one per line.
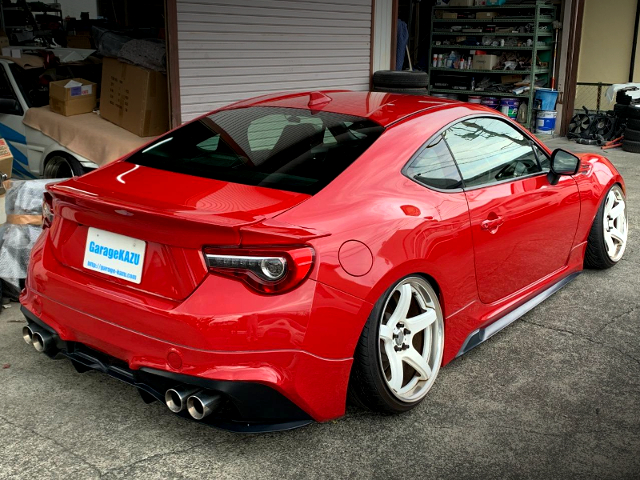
(608,236)
(400,350)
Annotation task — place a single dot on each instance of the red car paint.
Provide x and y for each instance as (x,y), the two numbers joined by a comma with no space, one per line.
(368,228)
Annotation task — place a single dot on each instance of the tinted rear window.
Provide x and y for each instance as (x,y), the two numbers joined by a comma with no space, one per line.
(283,148)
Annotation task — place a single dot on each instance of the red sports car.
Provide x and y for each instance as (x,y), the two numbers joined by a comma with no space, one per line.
(256,266)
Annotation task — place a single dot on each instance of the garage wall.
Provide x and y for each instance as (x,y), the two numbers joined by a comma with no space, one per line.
(607,38)
(229,50)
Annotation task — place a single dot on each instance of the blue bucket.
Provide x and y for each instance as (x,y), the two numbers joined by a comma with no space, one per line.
(547,97)
(546,122)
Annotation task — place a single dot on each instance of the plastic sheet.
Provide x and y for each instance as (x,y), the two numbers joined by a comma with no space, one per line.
(108,43)
(22,202)
(146,53)
(149,54)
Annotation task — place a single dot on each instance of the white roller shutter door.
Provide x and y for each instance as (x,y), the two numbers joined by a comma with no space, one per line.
(230,50)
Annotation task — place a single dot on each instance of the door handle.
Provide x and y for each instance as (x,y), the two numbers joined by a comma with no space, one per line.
(492,225)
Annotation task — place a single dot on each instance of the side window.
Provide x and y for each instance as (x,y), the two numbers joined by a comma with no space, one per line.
(434,167)
(489,151)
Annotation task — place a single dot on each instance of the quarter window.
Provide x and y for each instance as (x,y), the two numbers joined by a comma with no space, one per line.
(489,151)
(434,167)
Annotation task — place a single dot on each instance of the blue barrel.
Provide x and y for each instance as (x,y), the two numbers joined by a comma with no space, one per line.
(547,98)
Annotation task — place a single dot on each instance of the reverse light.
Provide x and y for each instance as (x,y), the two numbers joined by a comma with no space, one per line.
(266,270)
(47,210)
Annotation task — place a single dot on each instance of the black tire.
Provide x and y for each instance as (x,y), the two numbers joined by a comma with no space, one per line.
(596,256)
(632,135)
(367,384)
(400,78)
(620,110)
(62,165)
(630,146)
(633,112)
(406,91)
(633,124)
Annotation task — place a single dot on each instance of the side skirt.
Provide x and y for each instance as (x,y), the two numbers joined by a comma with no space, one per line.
(476,337)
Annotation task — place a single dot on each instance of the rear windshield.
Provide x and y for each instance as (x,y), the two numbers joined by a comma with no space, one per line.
(283,148)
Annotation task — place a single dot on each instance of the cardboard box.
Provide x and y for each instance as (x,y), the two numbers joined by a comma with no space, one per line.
(134,98)
(451,15)
(486,15)
(511,78)
(461,3)
(6,158)
(78,41)
(72,101)
(485,62)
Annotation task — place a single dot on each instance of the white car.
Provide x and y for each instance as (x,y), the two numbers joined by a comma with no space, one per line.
(35,154)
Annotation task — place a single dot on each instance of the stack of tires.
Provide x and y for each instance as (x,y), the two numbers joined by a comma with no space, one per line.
(630,114)
(401,81)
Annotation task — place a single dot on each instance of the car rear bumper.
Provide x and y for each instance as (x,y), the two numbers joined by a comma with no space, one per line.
(220,333)
(267,390)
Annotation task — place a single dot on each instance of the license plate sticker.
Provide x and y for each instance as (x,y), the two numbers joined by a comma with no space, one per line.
(115,255)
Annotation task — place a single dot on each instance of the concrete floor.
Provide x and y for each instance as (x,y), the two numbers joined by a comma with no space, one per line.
(555,395)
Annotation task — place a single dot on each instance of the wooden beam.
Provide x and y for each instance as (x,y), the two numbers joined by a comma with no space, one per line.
(394,34)
(173,67)
(573,58)
(373,37)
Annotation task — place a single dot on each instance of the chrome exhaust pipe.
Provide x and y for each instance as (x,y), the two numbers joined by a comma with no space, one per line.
(203,404)
(176,398)
(42,340)
(27,334)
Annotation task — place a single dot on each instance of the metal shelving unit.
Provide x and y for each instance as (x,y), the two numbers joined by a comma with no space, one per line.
(540,14)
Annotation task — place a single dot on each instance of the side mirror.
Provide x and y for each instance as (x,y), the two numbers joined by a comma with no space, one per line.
(562,163)
(10,106)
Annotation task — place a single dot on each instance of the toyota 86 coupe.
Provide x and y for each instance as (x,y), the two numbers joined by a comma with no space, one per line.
(259,265)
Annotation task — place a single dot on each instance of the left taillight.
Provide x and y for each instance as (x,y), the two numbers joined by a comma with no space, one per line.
(269,271)
(47,210)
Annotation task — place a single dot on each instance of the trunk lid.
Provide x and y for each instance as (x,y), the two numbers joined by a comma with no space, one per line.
(175,214)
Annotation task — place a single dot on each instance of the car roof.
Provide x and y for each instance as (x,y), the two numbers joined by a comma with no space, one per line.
(382,107)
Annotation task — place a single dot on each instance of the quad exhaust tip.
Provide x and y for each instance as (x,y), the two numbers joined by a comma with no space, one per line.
(42,340)
(203,404)
(176,398)
(27,334)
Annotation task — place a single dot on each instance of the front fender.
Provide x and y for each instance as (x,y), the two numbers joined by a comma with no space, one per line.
(597,175)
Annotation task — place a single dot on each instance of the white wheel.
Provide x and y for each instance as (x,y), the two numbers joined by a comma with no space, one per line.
(615,224)
(400,350)
(411,339)
(609,231)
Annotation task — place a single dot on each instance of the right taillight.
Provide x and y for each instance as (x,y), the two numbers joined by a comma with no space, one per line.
(271,270)
(47,210)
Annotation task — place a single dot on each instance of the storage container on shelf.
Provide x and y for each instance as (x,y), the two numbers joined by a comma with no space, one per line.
(509,106)
(491,102)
